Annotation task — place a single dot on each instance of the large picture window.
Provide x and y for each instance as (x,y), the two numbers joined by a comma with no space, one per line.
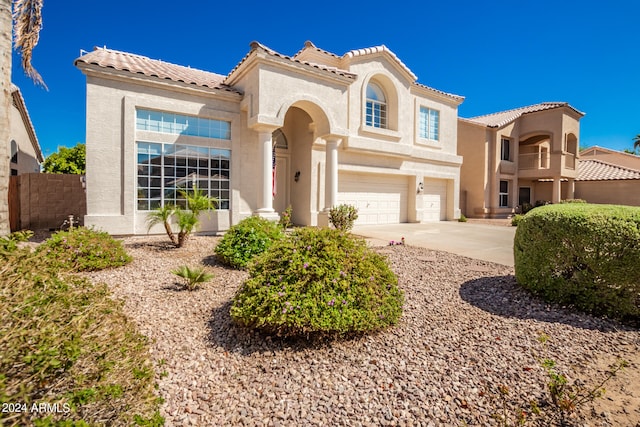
(177,124)
(166,169)
(429,124)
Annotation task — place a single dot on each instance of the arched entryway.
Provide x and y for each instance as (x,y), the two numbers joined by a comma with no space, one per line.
(300,159)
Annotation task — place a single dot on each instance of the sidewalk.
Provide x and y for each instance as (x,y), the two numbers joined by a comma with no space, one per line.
(482,241)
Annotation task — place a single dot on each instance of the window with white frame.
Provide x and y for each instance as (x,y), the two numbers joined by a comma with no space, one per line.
(166,170)
(429,124)
(505,149)
(376,108)
(503,196)
(178,124)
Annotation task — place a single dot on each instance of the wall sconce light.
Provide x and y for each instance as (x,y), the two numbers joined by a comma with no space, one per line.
(296,177)
(420,188)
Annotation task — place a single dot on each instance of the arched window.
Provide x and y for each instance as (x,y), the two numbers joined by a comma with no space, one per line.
(279,139)
(376,113)
(14,151)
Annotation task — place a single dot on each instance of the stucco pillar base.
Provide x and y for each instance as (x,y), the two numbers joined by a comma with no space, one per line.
(323,218)
(271,215)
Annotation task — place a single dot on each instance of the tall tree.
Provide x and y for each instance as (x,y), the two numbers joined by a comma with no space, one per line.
(636,144)
(24,24)
(67,160)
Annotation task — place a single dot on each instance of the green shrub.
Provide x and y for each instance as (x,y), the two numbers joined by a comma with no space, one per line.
(583,255)
(65,341)
(525,207)
(10,242)
(515,220)
(285,218)
(342,217)
(462,218)
(573,201)
(319,282)
(250,237)
(84,249)
(193,277)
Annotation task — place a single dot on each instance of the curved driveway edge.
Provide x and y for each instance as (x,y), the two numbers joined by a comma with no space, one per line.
(486,242)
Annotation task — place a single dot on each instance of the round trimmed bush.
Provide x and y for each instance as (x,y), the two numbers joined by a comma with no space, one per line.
(84,249)
(247,239)
(583,255)
(319,281)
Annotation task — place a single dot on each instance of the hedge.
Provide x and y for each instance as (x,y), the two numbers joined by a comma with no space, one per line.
(583,255)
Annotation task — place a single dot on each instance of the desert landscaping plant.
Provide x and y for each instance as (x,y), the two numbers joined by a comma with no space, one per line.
(582,255)
(247,239)
(343,217)
(319,282)
(187,219)
(84,249)
(67,344)
(285,218)
(193,277)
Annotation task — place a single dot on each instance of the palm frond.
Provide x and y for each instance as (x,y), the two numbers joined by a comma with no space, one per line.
(27,23)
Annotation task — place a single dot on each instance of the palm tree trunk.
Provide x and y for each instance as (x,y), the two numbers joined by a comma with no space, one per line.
(169,231)
(5,108)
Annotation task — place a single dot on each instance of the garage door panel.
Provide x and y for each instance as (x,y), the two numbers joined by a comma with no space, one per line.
(434,200)
(379,199)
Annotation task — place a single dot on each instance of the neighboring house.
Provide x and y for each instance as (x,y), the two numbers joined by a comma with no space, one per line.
(608,176)
(24,149)
(355,128)
(518,156)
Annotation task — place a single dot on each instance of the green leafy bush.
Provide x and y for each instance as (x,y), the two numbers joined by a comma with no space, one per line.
(515,220)
(573,201)
(84,249)
(285,218)
(319,281)
(65,341)
(10,242)
(342,217)
(250,237)
(583,255)
(462,218)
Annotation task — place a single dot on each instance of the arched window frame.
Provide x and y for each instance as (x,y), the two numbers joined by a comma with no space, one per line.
(14,151)
(376,109)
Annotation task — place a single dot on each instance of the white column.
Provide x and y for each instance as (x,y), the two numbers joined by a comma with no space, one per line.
(555,195)
(265,175)
(331,173)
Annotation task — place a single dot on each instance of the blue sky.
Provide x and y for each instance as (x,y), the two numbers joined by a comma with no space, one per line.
(497,54)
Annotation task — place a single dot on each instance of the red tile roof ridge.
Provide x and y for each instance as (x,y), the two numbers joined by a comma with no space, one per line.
(379,49)
(598,170)
(507,116)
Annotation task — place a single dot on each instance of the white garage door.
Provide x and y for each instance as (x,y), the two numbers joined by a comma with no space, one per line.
(380,199)
(434,200)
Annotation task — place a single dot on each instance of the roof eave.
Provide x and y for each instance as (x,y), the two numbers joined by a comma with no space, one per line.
(24,113)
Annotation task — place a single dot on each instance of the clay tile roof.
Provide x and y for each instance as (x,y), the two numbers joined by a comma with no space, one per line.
(309,44)
(501,118)
(137,64)
(379,49)
(451,95)
(597,170)
(256,46)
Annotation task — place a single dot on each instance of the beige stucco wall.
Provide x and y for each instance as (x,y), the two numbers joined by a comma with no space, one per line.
(309,106)
(27,158)
(620,192)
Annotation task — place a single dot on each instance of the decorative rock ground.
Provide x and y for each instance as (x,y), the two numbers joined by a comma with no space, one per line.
(466,329)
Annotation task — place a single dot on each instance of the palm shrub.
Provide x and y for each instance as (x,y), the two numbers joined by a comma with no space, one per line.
(187,219)
(582,255)
(343,216)
(84,249)
(319,282)
(247,239)
(193,277)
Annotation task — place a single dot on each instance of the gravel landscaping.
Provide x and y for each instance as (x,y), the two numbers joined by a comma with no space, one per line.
(466,330)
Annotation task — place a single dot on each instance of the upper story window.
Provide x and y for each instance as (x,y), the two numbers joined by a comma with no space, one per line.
(505,149)
(177,124)
(376,110)
(429,124)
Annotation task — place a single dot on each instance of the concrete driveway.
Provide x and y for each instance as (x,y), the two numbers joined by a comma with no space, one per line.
(480,241)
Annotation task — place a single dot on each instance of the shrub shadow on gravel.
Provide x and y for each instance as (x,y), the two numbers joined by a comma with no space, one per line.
(501,295)
(214,261)
(158,246)
(224,332)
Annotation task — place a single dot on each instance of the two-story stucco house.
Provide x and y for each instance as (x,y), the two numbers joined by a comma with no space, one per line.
(311,130)
(518,156)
